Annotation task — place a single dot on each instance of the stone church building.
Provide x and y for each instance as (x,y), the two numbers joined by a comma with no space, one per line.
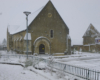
(47,34)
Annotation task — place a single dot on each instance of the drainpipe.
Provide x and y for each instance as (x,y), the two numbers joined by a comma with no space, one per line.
(67,42)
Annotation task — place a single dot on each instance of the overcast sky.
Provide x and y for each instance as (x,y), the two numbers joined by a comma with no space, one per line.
(77,14)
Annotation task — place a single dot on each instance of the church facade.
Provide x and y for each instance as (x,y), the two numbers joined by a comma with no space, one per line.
(47,34)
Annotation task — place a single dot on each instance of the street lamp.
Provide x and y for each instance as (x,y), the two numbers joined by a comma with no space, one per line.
(27,13)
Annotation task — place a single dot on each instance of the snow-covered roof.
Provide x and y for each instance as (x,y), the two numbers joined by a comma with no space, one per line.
(17,28)
(91,31)
(29,36)
(12,28)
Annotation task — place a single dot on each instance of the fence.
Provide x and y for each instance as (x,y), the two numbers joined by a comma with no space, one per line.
(74,70)
(77,71)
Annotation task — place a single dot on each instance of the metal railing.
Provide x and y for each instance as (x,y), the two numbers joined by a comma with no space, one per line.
(85,73)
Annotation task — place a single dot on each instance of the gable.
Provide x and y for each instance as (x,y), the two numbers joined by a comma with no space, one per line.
(49,16)
(91,31)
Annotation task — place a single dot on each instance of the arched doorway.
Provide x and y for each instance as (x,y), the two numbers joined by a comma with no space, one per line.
(41,49)
(42,42)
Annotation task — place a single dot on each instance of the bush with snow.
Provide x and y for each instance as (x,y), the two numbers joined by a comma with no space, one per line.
(28,62)
(40,65)
(35,54)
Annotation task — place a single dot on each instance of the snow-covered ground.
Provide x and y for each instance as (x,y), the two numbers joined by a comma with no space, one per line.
(84,60)
(12,72)
(17,72)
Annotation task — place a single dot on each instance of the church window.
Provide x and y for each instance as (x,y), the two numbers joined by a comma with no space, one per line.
(51,33)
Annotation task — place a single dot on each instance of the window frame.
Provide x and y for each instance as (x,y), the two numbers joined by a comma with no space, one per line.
(51,33)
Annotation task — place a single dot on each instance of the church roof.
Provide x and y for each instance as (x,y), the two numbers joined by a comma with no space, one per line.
(91,31)
(31,18)
(16,28)
(12,28)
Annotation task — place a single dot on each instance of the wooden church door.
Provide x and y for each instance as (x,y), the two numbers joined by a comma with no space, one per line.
(41,49)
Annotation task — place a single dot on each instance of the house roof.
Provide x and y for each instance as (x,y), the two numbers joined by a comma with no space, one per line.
(91,31)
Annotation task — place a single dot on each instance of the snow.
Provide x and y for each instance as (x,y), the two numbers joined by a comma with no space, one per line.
(22,25)
(15,72)
(79,59)
(12,28)
(29,36)
(82,59)
(40,65)
(12,72)
(58,53)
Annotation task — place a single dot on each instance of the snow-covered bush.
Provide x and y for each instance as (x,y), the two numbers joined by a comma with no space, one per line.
(22,60)
(40,65)
(28,62)
(35,54)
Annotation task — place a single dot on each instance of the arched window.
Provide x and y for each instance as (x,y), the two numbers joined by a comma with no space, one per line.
(51,33)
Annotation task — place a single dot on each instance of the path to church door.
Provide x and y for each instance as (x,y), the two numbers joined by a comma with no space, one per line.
(41,49)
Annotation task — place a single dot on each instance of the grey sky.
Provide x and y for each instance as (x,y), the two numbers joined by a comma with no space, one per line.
(77,14)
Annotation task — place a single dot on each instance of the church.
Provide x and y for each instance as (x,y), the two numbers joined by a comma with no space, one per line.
(47,34)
